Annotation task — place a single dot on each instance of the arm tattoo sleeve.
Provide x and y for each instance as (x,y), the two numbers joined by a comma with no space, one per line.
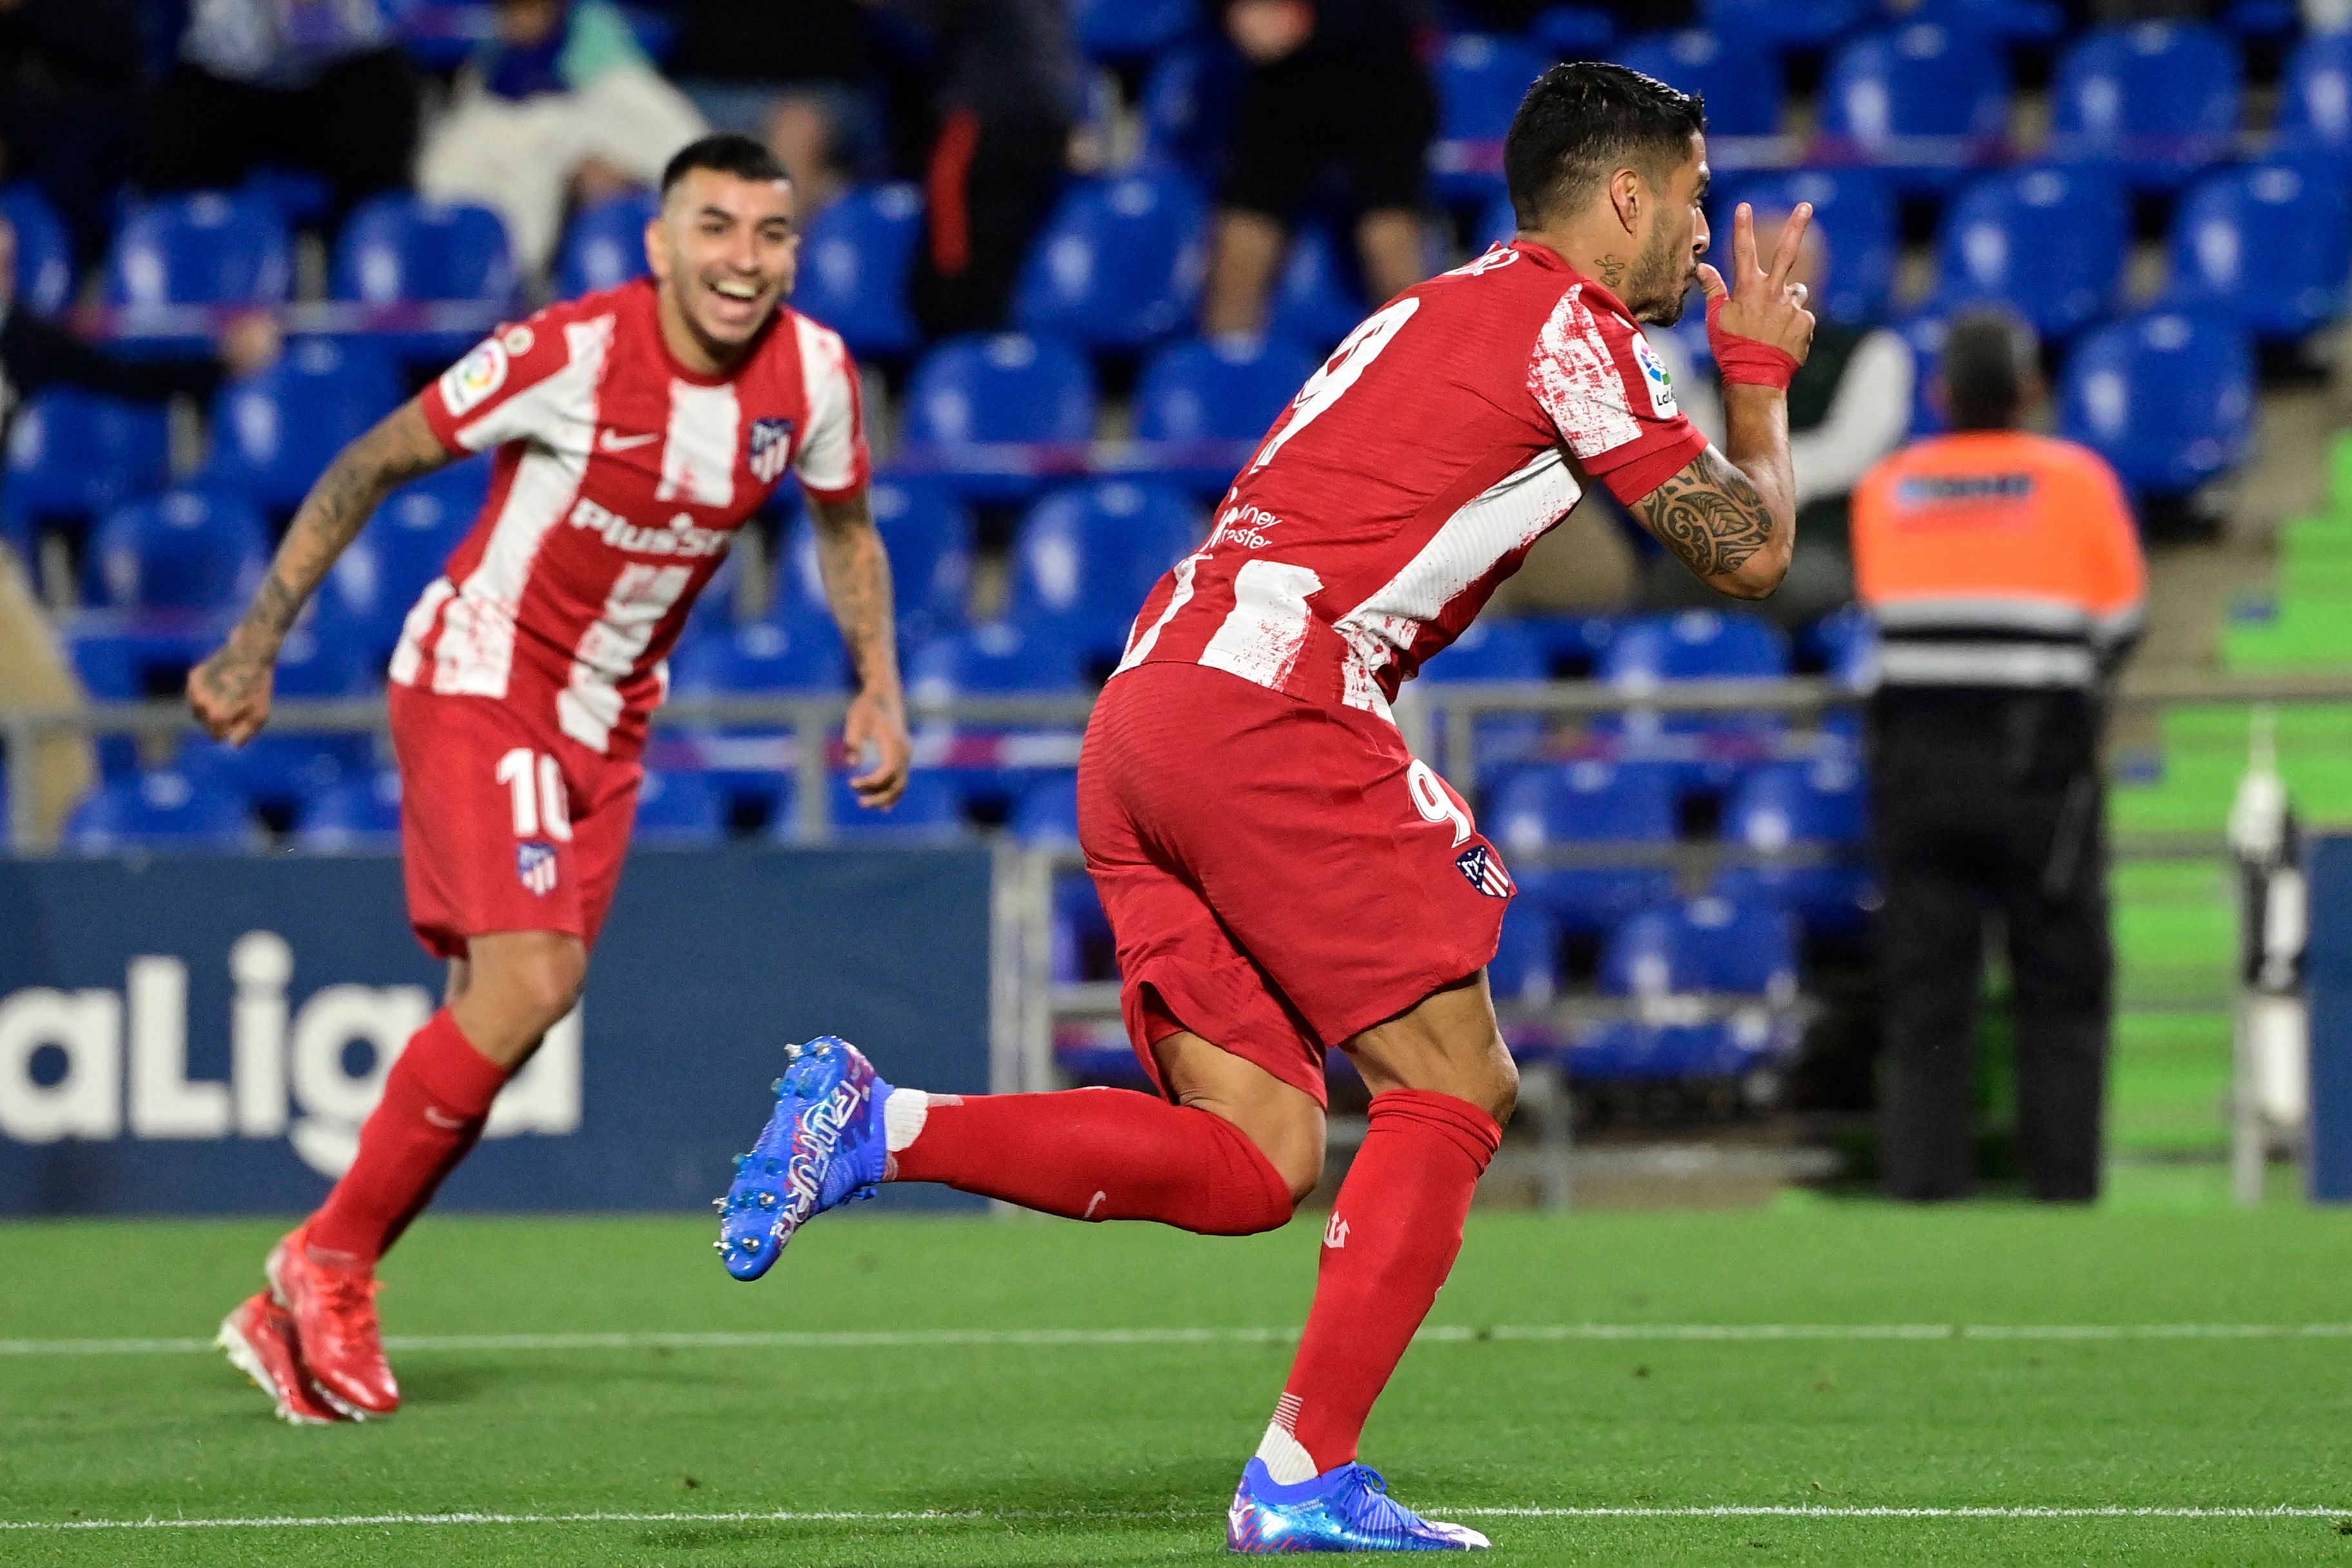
(1709,515)
(857,571)
(399,449)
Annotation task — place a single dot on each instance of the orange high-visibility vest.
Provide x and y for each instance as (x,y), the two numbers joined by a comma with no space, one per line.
(1997,559)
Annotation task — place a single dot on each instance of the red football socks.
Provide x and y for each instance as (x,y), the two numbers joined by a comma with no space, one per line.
(436,1098)
(1100,1153)
(1391,1241)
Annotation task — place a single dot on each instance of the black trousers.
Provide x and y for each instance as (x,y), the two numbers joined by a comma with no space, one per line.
(1984,804)
(992,185)
(356,126)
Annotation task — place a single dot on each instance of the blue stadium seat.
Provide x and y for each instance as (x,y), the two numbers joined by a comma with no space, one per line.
(1856,215)
(1086,556)
(1586,803)
(1007,388)
(2168,398)
(2157,102)
(1319,299)
(794,651)
(275,432)
(606,246)
(1631,1051)
(1926,332)
(202,249)
(404,546)
(183,550)
(929,811)
(1845,641)
(2269,247)
(1526,966)
(1695,645)
(1494,648)
(1133,29)
(995,656)
(927,534)
(45,271)
(1046,815)
(1746,95)
(1705,944)
(679,808)
(280,768)
(1218,390)
(1480,80)
(1118,265)
(1814,806)
(2006,21)
(1187,105)
(1748,25)
(160,810)
(397,249)
(355,815)
(73,455)
(856,261)
(1921,101)
(2050,243)
(2314,115)
(1574,32)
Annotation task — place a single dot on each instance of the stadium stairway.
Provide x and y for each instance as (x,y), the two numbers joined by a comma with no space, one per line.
(2268,597)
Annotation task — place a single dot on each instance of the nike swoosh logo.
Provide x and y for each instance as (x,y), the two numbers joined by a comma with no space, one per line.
(613,441)
(440,1118)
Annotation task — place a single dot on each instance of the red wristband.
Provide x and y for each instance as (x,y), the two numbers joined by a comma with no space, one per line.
(1744,361)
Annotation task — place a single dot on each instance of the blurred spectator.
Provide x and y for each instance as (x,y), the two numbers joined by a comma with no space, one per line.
(1010,80)
(36,353)
(1338,83)
(2004,571)
(69,76)
(564,104)
(314,84)
(795,77)
(1849,406)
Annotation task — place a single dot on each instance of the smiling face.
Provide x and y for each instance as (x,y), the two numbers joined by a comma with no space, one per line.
(1666,264)
(724,250)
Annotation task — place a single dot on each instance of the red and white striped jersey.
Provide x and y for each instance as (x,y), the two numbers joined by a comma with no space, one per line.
(620,479)
(1411,474)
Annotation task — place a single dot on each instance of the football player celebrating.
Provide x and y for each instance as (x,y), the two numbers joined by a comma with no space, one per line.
(1282,875)
(635,430)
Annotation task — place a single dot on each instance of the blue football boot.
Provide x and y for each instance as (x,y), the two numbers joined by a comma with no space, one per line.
(1343,1509)
(824,1146)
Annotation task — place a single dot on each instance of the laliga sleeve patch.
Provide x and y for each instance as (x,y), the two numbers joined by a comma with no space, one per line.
(468,383)
(1655,377)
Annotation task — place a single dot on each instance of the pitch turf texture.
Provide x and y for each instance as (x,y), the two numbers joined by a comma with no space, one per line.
(2085,1384)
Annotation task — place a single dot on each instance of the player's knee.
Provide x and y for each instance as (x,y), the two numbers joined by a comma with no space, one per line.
(544,985)
(1300,1165)
(1501,1086)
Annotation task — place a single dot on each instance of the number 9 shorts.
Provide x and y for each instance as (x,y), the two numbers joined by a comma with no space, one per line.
(1280,875)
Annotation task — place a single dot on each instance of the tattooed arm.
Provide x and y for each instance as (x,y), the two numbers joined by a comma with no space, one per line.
(857,574)
(230,691)
(1732,520)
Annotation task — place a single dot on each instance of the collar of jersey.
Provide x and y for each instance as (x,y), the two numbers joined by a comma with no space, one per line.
(1544,256)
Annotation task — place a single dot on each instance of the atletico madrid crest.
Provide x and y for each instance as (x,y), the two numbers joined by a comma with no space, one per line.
(535,864)
(771,446)
(1485,870)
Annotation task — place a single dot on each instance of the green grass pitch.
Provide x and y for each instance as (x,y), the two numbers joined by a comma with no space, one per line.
(921,1417)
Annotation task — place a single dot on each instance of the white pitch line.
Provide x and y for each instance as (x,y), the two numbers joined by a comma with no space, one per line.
(1082,1516)
(1445,1333)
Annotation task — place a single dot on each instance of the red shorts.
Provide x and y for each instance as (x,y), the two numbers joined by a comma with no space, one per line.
(1280,875)
(504,825)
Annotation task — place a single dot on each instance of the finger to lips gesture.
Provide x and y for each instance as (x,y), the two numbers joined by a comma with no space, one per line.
(1762,303)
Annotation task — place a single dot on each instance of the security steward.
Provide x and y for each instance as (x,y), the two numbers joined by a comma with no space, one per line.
(2004,571)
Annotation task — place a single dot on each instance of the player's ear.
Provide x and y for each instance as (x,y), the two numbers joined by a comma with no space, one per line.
(1627,193)
(659,259)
